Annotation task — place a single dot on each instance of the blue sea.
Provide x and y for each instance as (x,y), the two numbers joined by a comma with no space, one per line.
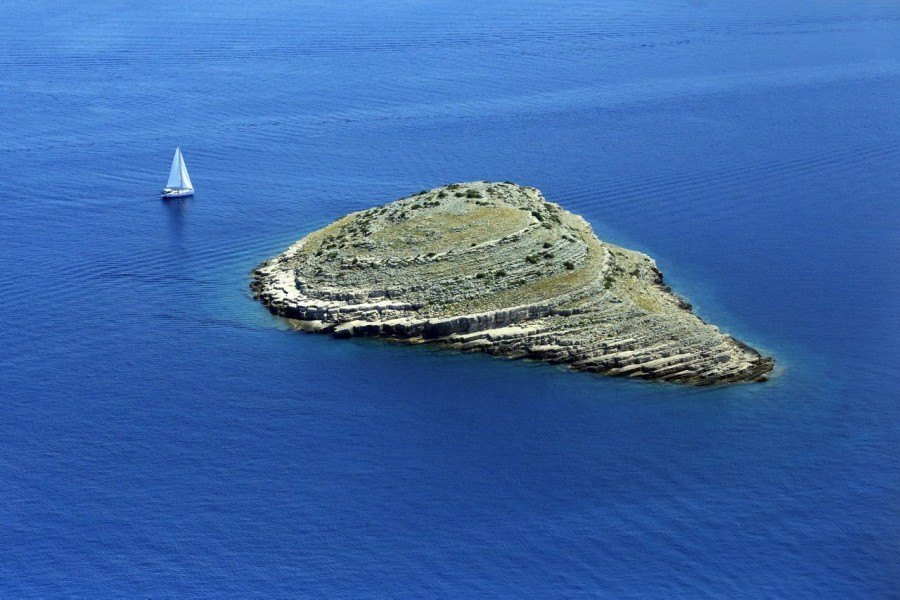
(162,435)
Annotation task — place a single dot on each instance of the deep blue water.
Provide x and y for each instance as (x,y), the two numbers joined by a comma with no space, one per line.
(161,435)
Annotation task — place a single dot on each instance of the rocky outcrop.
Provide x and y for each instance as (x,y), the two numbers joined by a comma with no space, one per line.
(493,267)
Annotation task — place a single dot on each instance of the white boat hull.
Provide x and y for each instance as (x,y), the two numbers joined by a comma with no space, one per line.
(180,193)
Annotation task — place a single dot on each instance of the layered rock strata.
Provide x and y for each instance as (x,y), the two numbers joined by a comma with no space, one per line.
(494,267)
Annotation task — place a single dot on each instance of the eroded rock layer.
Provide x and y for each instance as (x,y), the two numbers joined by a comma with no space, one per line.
(496,268)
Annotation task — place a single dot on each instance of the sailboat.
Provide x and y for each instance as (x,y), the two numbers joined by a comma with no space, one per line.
(179,184)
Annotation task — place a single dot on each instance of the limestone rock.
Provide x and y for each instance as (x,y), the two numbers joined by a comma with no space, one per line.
(493,267)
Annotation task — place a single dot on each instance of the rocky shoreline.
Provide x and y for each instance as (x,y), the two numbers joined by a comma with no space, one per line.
(494,267)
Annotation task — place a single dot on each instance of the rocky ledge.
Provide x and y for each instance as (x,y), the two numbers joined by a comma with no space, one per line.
(494,267)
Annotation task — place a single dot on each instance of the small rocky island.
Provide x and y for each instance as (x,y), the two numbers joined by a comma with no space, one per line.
(494,267)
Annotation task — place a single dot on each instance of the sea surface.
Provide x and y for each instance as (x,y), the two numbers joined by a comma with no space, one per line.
(161,435)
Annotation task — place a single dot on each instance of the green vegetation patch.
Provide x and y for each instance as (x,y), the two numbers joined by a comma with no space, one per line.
(447,231)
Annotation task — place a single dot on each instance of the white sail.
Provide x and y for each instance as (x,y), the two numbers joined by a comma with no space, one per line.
(178,175)
(185,178)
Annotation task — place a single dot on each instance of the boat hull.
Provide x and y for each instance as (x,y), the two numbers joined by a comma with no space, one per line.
(169,194)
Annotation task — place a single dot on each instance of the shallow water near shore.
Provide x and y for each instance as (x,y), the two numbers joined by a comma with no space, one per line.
(162,435)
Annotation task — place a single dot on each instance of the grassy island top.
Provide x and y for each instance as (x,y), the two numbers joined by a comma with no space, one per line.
(497,244)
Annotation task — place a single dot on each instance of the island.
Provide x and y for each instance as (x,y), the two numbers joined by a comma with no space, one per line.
(496,268)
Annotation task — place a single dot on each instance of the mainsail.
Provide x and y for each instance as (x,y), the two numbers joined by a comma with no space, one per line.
(178,175)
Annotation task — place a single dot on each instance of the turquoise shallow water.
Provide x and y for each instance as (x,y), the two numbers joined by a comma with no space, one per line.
(161,435)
